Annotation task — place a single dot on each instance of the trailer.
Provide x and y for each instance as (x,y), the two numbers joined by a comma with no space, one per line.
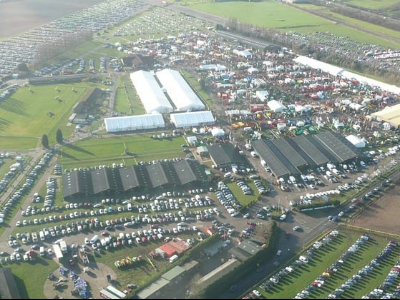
(58,253)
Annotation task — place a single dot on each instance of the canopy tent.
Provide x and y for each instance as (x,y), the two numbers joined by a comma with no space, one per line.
(150,93)
(198,118)
(276,106)
(217,132)
(181,94)
(356,141)
(130,123)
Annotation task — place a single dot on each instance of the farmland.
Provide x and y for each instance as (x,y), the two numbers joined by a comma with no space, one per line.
(286,18)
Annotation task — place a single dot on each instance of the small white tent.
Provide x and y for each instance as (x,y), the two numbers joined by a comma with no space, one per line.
(217,132)
(356,141)
(276,106)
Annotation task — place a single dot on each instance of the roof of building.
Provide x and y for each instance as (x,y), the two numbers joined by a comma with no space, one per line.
(225,153)
(173,273)
(190,265)
(8,286)
(121,179)
(130,123)
(179,91)
(152,289)
(196,118)
(150,93)
(249,247)
(390,114)
(286,156)
(218,272)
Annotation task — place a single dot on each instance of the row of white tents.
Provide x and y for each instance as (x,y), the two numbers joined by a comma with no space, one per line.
(154,98)
(156,120)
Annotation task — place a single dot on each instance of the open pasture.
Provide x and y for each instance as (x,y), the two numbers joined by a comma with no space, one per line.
(36,110)
(272,14)
(372,4)
(108,150)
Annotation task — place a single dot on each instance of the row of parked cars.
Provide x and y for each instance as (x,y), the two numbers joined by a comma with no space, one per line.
(227,199)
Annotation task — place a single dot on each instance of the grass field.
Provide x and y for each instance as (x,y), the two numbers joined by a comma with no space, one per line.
(30,105)
(275,15)
(31,286)
(101,151)
(327,255)
(372,4)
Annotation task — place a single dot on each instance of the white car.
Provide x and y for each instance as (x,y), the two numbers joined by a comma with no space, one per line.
(295,228)
(279,252)
(257,293)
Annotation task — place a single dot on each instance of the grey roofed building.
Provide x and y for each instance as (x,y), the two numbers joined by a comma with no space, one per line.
(225,154)
(153,290)
(158,175)
(89,182)
(8,286)
(188,172)
(278,167)
(173,273)
(309,149)
(285,156)
(129,178)
(77,182)
(341,148)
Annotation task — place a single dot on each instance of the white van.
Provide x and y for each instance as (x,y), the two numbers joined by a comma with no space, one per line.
(292,179)
(129,206)
(328,173)
(41,251)
(173,258)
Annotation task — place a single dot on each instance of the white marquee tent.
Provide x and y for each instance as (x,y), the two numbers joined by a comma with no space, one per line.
(150,93)
(181,94)
(197,118)
(131,123)
(356,141)
(336,71)
(276,106)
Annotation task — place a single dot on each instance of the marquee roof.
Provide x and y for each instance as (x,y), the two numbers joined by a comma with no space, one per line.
(389,114)
(129,123)
(196,118)
(150,93)
(179,91)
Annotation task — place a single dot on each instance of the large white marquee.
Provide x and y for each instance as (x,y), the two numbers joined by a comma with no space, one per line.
(150,93)
(131,123)
(181,94)
(197,118)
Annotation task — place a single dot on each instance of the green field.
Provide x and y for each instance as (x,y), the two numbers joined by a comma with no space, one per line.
(127,101)
(100,151)
(327,255)
(25,115)
(276,15)
(29,286)
(372,4)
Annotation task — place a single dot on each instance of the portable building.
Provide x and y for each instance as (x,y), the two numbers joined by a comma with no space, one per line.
(356,141)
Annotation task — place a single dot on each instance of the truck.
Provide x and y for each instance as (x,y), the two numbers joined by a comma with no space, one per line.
(58,253)
(63,246)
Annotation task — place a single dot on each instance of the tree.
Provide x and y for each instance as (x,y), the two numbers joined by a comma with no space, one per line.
(45,141)
(59,136)
(22,67)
